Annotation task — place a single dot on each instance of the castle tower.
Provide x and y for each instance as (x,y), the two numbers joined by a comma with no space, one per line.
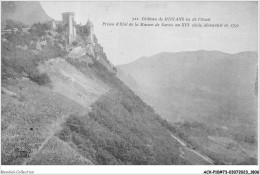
(91,31)
(68,21)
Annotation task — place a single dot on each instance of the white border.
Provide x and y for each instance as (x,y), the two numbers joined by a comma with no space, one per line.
(125,169)
(129,169)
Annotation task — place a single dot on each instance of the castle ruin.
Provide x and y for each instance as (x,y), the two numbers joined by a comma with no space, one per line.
(91,32)
(70,26)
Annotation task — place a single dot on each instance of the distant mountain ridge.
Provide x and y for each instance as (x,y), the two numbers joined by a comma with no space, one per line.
(27,12)
(194,73)
(209,96)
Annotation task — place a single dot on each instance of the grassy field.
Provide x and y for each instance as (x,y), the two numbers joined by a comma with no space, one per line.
(57,152)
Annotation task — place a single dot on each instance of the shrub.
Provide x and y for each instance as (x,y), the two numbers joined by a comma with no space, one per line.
(49,52)
(39,29)
(18,39)
(41,79)
(64,134)
(15,62)
(75,43)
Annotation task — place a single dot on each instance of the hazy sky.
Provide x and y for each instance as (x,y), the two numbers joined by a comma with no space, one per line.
(126,44)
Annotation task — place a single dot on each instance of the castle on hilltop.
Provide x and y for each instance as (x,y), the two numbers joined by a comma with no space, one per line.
(70,27)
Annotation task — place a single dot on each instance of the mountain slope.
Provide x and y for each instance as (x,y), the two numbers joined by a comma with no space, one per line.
(71,83)
(207,95)
(67,107)
(62,107)
(201,74)
(124,130)
(22,11)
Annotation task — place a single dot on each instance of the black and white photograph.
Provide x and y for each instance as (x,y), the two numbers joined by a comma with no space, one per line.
(125,83)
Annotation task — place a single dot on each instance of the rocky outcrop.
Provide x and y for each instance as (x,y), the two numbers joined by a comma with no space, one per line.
(102,58)
(77,52)
(90,50)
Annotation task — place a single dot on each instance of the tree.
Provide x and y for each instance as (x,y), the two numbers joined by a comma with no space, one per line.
(39,29)
(10,24)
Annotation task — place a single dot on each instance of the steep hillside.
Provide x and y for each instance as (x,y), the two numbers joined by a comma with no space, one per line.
(62,103)
(206,94)
(30,119)
(70,82)
(67,107)
(23,11)
(122,129)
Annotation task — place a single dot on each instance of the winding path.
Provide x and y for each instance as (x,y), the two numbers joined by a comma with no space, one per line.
(57,126)
(207,159)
